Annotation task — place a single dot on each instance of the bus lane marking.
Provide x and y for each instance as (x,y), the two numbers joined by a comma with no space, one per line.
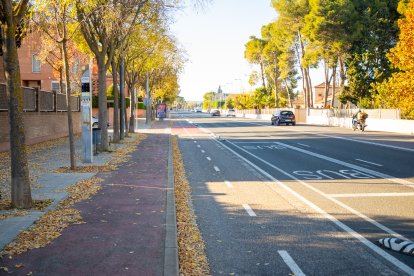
(397,263)
(352,166)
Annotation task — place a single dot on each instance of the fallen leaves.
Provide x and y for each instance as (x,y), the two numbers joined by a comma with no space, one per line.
(50,225)
(191,248)
(7,211)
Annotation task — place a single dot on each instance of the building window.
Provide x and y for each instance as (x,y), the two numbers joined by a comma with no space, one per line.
(56,87)
(35,64)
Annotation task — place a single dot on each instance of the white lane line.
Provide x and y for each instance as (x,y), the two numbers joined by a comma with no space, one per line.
(341,225)
(368,162)
(303,145)
(216,169)
(349,165)
(372,195)
(198,146)
(195,142)
(203,151)
(228,183)
(290,263)
(208,158)
(249,210)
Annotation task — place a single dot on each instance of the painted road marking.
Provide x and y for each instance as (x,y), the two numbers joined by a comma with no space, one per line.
(195,141)
(368,162)
(198,146)
(228,183)
(249,210)
(372,195)
(303,145)
(290,263)
(216,169)
(343,138)
(264,147)
(202,151)
(341,225)
(327,174)
(349,165)
(208,158)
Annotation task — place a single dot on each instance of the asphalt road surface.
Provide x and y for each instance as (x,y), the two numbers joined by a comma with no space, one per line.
(302,200)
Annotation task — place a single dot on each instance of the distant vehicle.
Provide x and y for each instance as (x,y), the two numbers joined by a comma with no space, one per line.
(215,112)
(231,113)
(283,117)
(198,109)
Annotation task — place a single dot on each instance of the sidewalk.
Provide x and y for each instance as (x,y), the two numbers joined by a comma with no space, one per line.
(129,224)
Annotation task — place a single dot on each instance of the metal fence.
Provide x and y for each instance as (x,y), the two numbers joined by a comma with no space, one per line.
(41,101)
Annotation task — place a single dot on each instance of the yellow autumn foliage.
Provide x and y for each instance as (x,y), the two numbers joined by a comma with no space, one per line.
(398,90)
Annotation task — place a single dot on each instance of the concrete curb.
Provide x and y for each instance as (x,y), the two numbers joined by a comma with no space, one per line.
(171,248)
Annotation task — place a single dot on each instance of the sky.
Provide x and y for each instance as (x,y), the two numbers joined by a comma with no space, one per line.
(214,39)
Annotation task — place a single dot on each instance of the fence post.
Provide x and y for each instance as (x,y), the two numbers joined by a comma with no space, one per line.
(37,99)
(54,101)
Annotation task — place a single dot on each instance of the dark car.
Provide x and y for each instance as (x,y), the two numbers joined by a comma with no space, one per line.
(215,112)
(283,117)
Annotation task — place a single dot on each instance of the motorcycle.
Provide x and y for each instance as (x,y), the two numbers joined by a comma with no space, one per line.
(359,124)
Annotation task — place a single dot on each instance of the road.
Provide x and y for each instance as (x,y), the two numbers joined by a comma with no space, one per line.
(302,200)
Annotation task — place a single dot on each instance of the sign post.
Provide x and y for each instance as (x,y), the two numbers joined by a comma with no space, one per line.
(86,104)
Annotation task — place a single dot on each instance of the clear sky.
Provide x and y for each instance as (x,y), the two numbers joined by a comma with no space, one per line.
(214,39)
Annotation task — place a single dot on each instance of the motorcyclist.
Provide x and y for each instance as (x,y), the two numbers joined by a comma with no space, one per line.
(355,118)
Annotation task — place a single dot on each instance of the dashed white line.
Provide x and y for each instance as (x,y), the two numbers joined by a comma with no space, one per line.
(195,142)
(368,162)
(290,263)
(372,195)
(228,183)
(249,210)
(303,145)
(198,146)
(208,158)
(216,169)
(203,151)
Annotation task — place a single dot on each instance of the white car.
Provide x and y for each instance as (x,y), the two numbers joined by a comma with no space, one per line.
(231,113)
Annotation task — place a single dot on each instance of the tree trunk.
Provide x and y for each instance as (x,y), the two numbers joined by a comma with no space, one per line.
(342,76)
(116,101)
(262,73)
(103,101)
(288,94)
(69,108)
(132,118)
(333,84)
(325,99)
(276,90)
(20,182)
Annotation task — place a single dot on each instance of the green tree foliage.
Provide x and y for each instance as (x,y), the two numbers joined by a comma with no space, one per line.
(366,61)
(254,53)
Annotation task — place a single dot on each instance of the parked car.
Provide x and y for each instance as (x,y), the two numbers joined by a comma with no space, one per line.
(283,117)
(231,113)
(215,112)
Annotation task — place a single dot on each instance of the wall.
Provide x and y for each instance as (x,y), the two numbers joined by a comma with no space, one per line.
(39,127)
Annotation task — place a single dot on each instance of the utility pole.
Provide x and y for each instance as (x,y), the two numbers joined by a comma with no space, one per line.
(122,103)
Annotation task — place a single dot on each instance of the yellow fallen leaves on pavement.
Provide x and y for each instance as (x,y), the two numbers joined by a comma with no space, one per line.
(191,248)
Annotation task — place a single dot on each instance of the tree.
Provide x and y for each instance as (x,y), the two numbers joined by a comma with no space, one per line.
(366,61)
(254,53)
(12,19)
(100,23)
(54,18)
(398,90)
